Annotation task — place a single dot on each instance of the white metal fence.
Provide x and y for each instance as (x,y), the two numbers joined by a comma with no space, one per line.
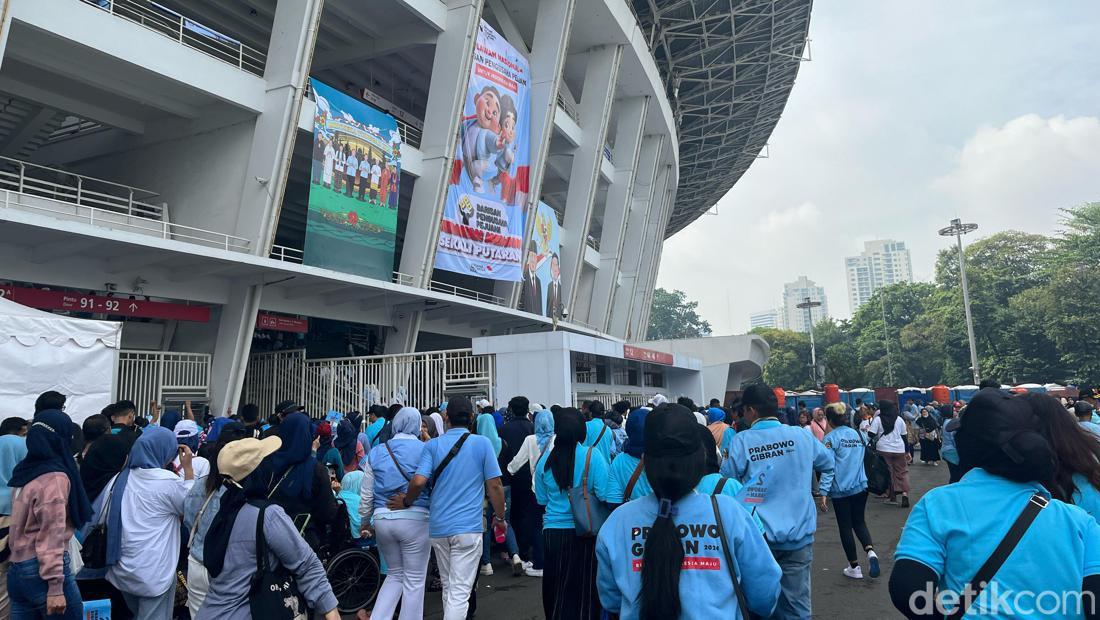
(350,383)
(161,376)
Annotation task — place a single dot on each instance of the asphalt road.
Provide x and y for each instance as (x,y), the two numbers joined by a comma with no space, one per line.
(834,595)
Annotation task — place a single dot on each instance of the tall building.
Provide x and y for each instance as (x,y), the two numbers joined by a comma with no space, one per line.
(795,293)
(235,180)
(883,262)
(766,318)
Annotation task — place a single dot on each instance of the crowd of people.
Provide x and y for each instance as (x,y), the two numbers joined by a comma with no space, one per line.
(629,511)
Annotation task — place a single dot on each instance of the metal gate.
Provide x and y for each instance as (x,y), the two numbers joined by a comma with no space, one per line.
(161,376)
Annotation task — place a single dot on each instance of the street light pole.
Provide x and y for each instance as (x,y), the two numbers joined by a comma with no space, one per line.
(957,229)
(808,306)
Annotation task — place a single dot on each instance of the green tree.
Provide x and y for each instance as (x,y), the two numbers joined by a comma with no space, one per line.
(672,317)
(789,360)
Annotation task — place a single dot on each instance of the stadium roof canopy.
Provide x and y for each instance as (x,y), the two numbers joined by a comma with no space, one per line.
(728,67)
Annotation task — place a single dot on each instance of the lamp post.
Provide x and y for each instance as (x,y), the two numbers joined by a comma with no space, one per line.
(957,229)
(808,305)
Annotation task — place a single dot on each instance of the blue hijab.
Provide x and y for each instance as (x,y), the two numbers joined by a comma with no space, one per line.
(13,449)
(216,429)
(635,433)
(170,419)
(295,457)
(715,415)
(487,427)
(155,448)
(544,428)
(49,449)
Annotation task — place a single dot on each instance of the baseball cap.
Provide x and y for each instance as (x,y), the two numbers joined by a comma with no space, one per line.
(671,431)
(238,459)
(1087,392)
(186,428)
(483,403)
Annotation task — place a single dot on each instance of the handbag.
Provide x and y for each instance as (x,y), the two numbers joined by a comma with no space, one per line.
(589,513)
(633,479)
(274,593)
(741,602)
(93,550)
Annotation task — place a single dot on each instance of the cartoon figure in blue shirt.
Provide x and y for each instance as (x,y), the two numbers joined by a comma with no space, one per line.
(481,136)
(787,509)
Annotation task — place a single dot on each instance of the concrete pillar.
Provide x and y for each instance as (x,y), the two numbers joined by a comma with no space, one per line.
(650,177)
(597,95)
(553,23)
(628,142)
(290,49)
(5,27)
(454,54)
(231,349)
(647,273)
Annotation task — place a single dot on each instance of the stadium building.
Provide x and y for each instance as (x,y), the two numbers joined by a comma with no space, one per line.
(339,201)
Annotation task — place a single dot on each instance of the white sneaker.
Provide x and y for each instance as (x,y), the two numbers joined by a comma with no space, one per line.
(487,570)
(853,572)
(533,572)
(517,566)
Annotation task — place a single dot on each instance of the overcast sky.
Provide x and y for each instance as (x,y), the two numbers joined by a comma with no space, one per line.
(909,114)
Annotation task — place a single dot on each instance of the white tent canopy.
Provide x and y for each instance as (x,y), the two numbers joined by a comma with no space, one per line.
(40,351)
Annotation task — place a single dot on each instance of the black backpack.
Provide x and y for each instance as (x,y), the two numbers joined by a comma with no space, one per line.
(878,472)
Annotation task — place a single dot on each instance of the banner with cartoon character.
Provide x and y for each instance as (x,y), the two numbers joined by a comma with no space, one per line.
(542,266)
(354,186)
(483,218)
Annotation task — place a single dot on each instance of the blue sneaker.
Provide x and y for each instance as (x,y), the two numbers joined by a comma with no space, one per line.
(872,558)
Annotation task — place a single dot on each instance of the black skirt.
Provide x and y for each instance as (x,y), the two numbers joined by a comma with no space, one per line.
(569,578)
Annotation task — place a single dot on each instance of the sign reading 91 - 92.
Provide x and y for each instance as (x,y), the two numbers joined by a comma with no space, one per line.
(45,299)
(481,233)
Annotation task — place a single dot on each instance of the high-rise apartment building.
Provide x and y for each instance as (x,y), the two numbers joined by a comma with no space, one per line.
(771,318)
(795,293)
(883,262)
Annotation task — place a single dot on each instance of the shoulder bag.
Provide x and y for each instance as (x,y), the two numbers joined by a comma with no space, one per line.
(742,604)
(985,574)
(438,471)
(94,548)
(633,479)
(721,485)
(589,513)
(274,593)
(400,470)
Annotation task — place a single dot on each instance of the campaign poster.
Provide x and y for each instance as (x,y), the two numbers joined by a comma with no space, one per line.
(542,266)
(354,186)
(483,217)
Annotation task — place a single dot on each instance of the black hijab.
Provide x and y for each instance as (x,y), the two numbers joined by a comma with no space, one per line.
(346,440)
(252,488)
(569,429)
(49,450)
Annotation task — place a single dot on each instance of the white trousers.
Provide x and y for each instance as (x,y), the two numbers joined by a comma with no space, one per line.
(405,546)
(458,558)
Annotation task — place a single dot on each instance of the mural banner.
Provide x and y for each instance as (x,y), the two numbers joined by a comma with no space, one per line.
(483,217)
(542,269)
(354,186)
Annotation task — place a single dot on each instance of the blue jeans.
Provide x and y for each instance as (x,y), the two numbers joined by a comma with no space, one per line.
(28,592)
(509,537)
(794,583)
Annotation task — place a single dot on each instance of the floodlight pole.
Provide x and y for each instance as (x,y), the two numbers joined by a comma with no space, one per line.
(957,229)
(808,306)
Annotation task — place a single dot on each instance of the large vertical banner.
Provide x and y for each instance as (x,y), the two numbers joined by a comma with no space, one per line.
(542,266)
(483,218)
(354,186)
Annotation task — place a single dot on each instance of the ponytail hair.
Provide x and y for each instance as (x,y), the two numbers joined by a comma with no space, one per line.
(673,466)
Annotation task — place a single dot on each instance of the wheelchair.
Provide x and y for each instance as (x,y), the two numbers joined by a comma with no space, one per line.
(354,572)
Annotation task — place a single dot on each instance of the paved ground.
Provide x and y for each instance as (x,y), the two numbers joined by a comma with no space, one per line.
(834,596)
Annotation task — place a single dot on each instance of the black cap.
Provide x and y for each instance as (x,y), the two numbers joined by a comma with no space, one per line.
(287,406)
(1086,391)
(671,431)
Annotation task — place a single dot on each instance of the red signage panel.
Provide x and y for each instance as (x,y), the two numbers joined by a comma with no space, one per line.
(103,304)
(281,323)
(647,355)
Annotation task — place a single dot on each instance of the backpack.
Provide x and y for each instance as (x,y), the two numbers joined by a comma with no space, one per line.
(878,472)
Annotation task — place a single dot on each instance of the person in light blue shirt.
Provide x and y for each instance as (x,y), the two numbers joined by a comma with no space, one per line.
(569,583)
(787,508)
(1085,413)
(714,483)
(849,490)
(630,461)
(455,522)
(953,530)
(598,432)
(665,555)
(377,416)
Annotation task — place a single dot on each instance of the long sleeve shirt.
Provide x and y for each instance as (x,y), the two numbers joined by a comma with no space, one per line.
(40,527)
(229,591)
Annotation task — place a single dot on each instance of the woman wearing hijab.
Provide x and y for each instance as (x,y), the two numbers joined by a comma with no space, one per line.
(144,508)
(649,576)
(347,446)
(626,479)
(299,482)
(48,505)
(722,432)
(890,437)
(818,426)
(437,421)
(350,488)
(487,427)
(1076,477)
(928,431)
(199,508)
(569,585)
(13,449)
(402,534)
(230,546)
(955,529)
